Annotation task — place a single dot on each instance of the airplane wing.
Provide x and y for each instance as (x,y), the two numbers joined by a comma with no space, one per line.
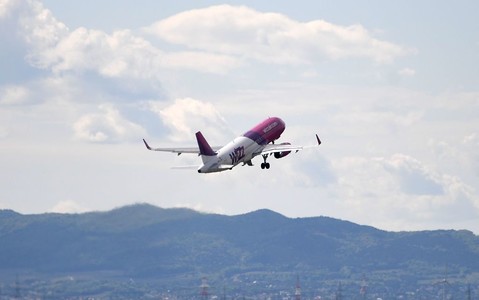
(180,150)
(272,148)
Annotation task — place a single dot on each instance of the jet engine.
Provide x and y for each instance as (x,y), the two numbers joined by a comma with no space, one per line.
(283,153)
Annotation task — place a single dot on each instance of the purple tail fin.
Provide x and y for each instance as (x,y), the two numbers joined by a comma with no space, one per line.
(205,148)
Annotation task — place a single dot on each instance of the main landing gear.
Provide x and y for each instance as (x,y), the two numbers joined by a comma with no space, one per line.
(265,165)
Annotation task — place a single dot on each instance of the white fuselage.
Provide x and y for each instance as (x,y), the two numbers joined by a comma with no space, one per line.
(240,150)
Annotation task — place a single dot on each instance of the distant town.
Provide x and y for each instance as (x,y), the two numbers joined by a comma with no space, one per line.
(69,287)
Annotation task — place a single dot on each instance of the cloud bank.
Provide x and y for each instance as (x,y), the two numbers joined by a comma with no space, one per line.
(245,33)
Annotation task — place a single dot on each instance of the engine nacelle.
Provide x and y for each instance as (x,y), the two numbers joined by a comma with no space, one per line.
(283,153)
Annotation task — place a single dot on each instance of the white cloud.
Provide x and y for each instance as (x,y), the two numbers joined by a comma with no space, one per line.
(39,27)
(413,177)
(307,169)
(6,7)
(14,95)
(471,139)
(51,45)
(107,126)
(201,62)
(120,54)
(458,153)
(271,37)
(369,115)
(186,116)
(3,132)
(404,193)
(407,72)
(67,206)
(221,38)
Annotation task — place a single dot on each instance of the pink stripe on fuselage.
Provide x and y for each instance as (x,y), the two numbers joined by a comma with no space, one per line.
(266,131)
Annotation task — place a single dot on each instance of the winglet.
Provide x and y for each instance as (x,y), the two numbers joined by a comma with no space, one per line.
(205,148)
(319,141)
(146,144)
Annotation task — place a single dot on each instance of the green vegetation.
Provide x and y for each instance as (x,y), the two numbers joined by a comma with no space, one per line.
(143,251)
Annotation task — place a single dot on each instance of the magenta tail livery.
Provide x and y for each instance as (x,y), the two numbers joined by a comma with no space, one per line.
(257,141)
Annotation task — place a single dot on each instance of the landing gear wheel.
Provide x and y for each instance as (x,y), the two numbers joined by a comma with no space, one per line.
(265,165)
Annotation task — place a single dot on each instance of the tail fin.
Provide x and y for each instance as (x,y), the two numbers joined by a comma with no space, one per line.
(205,150)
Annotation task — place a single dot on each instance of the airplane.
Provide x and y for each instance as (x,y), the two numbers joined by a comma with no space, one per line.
(257,141)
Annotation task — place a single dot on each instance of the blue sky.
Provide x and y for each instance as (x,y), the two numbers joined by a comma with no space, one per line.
(392,89)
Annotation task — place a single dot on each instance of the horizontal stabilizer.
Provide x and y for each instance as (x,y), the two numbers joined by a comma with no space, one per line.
(185,167)
(178,150)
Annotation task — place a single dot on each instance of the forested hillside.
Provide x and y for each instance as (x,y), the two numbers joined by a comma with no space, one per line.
(177,247)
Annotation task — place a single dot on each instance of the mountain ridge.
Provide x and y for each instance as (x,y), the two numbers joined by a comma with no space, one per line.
(177,245)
